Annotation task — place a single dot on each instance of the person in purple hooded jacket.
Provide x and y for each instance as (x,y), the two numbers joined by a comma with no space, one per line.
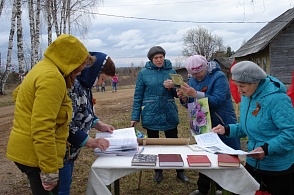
(83,116)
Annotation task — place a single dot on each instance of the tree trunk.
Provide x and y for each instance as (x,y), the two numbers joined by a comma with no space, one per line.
(55,20)
(68,10)
(49,5)
(63,17)
(2,2)
(9,52)
(32,31)
(37,32)
(20,51)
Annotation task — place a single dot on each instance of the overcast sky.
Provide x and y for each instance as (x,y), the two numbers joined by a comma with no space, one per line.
(125,30)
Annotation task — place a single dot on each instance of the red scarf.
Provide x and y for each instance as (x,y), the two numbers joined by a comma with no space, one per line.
(290,91)
(234,89)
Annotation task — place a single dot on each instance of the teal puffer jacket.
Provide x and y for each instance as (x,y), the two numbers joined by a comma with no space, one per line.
(273,124)
(152,101)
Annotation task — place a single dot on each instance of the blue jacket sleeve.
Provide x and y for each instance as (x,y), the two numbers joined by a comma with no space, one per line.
(220,91)
(77,138)
(138,98)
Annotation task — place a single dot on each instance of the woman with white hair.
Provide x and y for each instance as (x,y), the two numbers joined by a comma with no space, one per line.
(267,119)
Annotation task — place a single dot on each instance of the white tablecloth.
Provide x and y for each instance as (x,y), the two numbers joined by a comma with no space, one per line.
(106,169)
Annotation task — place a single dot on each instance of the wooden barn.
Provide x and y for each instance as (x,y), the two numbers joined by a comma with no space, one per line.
(272,48)
(225,65)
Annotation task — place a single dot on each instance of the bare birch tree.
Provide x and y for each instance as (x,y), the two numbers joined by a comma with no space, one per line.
(10,46)
(20,51)
(49,6)
(63,15)
(200,41)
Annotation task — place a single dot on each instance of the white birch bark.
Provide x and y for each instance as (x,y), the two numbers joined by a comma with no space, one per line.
(32,31)
(63,17)
(54,16)
(9,51)
(2,2)
(49,20)
(37,32)
(68,13)
(19,37)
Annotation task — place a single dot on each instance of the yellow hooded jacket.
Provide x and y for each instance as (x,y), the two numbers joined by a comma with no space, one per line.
(42,108)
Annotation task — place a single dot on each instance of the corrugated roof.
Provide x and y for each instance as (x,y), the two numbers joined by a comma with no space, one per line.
(263,37)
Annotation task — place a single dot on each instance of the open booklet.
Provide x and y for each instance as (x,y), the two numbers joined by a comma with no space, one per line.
(122,142)
(213,144)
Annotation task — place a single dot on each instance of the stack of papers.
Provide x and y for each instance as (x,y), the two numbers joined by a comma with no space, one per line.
(122,142)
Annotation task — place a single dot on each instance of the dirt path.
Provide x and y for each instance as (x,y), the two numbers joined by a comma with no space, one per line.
(12,181)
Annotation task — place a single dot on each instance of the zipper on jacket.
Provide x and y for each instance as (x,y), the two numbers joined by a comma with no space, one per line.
(220,118)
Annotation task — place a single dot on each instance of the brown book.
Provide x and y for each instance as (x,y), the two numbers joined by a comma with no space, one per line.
(198,161)
(170,160)
(226,160)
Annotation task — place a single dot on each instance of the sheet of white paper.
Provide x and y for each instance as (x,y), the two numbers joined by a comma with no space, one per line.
(212,143)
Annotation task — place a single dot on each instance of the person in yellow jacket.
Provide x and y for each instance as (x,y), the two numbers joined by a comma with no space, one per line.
(43,112)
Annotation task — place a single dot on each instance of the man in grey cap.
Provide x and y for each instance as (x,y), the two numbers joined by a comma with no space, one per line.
(267,120)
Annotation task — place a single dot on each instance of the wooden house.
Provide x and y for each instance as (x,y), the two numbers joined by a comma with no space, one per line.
(225,65)
(272,48)
(183,72)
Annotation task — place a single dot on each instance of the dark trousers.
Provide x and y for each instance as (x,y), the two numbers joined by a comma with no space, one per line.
(204,184)
(171,133)
(276,183)
(33,174)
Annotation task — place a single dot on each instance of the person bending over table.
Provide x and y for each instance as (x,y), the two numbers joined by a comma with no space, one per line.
(84,117)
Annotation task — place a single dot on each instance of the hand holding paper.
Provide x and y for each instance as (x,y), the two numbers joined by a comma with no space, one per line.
(219,129)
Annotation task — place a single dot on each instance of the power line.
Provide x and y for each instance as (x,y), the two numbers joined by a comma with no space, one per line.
(155,4)
(179,21)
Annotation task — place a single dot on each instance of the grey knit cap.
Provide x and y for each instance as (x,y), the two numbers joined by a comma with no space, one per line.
(155,50)
(247,72)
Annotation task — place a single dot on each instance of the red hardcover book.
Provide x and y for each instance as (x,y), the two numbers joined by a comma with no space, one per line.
(170,160)
(198,161)
(226,160)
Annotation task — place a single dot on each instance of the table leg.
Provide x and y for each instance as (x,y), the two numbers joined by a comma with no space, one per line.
(212,187)
(140,177)
(116,187)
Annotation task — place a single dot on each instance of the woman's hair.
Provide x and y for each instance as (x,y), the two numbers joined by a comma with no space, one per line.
(109,67)
(91,60)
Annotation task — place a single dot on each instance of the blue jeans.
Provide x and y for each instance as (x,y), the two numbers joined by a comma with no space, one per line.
(114,86)
(65,178)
